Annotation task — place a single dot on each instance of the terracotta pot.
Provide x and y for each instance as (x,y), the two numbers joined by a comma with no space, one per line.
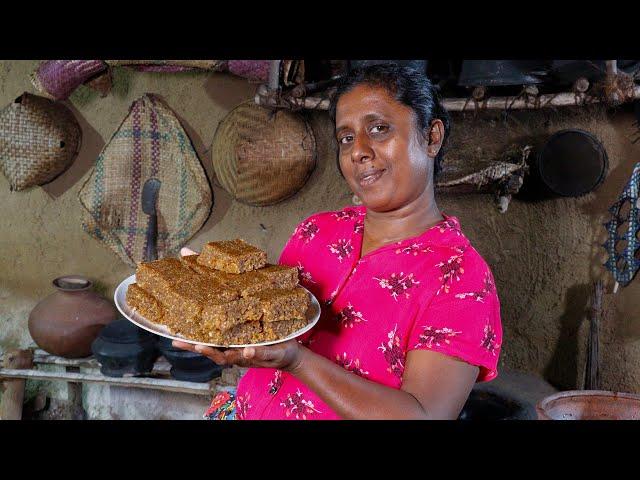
(589,405)
(67,321)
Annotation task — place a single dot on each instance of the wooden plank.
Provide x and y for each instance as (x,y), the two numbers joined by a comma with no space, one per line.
(13,391)
(134,382)
(40,357)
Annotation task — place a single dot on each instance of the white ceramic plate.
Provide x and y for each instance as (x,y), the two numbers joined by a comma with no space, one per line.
(120,298)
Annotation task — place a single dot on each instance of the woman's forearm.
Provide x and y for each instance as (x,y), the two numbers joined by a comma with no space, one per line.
(351,396)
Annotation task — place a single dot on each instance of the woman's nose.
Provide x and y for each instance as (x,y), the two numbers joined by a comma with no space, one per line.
(361,151)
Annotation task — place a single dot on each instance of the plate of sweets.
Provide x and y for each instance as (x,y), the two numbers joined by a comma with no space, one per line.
(227,296)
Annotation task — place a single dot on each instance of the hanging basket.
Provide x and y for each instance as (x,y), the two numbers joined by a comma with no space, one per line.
(169,66)
(150,143)
(57,79)
(39,139)
(261,156)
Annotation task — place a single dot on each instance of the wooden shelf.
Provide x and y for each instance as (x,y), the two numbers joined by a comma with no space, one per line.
(159,378)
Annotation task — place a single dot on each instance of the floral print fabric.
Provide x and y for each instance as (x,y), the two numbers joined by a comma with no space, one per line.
(431,292)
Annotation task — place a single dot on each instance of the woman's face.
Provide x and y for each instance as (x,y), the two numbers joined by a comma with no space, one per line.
(381,156)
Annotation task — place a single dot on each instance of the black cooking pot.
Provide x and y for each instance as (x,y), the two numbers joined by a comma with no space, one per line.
(123,348)
(483,405)
(188,366)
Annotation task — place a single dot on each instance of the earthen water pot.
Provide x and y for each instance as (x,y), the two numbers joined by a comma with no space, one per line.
(589,405)
(67,321)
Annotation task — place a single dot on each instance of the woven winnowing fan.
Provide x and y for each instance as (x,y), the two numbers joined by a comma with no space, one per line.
(624,265)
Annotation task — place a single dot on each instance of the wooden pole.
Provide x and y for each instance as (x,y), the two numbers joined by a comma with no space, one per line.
(74,397)
(462,104)
(135,382)
(274,75)
(13,391)
(592,366)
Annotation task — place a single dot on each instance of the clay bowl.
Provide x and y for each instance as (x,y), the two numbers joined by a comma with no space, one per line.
(589,405)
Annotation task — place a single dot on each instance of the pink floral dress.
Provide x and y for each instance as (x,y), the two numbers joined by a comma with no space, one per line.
(431,292)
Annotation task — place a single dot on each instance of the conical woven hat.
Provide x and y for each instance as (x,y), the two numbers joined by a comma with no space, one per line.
(150,143)
(262,156)
(39,139)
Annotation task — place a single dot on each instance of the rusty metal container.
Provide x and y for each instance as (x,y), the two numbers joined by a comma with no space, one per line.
(589,405)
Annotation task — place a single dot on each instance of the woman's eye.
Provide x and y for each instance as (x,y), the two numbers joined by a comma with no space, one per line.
(379,129)
(345,139)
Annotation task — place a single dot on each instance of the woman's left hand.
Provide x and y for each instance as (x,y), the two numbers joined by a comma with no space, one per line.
(283,356)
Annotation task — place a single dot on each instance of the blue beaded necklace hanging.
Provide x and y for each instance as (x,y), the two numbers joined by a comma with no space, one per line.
(624,265)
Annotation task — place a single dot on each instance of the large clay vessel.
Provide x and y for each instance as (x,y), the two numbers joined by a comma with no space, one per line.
(67,321)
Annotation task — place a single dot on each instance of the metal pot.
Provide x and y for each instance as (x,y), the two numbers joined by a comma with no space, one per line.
(589,405)
(188,366)
(124,349)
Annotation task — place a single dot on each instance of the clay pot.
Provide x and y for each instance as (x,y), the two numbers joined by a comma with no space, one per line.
(589,405)
(67,321)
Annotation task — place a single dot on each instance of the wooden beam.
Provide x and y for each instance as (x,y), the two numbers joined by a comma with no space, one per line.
(40,357)
(13,391)
(135,382)
(564,99)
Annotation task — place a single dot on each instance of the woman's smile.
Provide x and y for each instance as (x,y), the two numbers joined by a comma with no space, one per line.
(370,176)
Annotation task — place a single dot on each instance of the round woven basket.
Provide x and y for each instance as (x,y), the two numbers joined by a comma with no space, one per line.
(39,139)
(263,156)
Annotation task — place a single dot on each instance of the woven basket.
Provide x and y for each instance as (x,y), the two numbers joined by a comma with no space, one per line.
(39,139)
(150,142)
(57,79)
(253,70)
(169,66)
(262,156)
(101,83)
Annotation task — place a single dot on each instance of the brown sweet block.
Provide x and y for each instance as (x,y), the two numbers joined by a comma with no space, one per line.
(179,289)
(191,261)
(247,283)
(281,276)
(283,304)
(277,330)
(156,277)
(144,303)
(232,256)
(188,327)
(248,332)
(223,316)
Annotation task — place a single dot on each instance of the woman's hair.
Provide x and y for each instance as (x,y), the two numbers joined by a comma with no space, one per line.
(407,86)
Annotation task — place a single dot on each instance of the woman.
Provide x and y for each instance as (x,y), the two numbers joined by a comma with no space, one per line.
(410,318)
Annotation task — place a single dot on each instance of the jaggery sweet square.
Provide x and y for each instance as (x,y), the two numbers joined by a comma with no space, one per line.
(280,276)
(244,333)
(179,289)
(186,326)
(156,277)
(281,329)
(232,256)
(225,315)
(191,261)
(144,303)
(283,304)
(246,283)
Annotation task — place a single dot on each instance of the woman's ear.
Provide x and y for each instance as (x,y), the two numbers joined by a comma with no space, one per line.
(436,135)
